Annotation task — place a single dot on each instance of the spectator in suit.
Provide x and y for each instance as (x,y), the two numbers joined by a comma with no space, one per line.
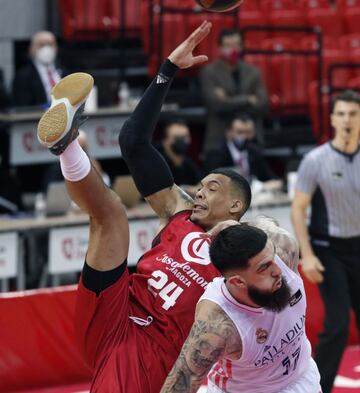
(33,83)
(241,152)
(229,86)
(174,148)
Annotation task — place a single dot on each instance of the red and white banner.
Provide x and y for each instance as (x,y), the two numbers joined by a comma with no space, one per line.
(67,246)
(8,255)
(102,133)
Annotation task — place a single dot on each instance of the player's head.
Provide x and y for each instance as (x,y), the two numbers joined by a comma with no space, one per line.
(240,130)
(223,195)
(230,45)
(345,115)
(246,258)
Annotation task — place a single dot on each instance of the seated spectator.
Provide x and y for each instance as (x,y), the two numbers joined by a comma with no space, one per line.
(241,152)
(53,172)
(33,83)
(174,147)
(230,86)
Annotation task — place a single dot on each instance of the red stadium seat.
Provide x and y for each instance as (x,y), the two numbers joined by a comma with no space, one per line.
(288,18)
(275,5)
(312,4)
(132,12)
(329,20)
(340,76)
(314,105)
(254,18)
(183,4)
(354,83)
(351,45)
(342,5)
(352,20)
(289,79)
(90,19)
(253,5)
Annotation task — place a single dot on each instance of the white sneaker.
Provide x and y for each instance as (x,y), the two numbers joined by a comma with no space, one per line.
(59,125)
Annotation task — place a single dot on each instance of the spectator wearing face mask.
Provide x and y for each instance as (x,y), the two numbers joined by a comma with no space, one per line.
(230,86)
(33,83)
(242,153)
(174,148)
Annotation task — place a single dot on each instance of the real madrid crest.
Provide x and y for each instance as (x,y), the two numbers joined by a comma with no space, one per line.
(261,335)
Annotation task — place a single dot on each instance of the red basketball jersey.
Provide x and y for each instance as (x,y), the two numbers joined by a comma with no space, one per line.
(172,276)
(132,333)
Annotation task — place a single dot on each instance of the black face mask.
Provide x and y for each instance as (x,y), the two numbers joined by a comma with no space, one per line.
(179,146)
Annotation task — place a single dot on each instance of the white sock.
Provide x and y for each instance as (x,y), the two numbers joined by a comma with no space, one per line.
(75,164)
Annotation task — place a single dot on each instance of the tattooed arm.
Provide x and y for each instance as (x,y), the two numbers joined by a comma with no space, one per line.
(213,336)
(287,247)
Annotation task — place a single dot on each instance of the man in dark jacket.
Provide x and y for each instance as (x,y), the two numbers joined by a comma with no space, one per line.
(240,152)
(231,86)
(33,83)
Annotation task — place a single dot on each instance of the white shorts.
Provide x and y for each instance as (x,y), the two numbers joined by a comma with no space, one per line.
(309,382)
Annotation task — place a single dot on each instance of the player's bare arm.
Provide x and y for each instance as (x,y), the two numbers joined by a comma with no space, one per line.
(286,246)
(213,336)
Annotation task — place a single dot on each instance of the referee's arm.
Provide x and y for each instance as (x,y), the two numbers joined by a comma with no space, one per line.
(311,265)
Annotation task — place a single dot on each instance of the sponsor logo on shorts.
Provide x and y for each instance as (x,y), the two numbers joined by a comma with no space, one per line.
(195,248)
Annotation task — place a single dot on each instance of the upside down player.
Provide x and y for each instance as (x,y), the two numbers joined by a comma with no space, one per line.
(249,328)
(131,328)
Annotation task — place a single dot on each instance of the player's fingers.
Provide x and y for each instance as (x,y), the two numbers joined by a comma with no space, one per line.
(200,59)
(200,33)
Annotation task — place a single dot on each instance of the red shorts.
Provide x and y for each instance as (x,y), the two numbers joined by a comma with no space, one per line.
(124,355)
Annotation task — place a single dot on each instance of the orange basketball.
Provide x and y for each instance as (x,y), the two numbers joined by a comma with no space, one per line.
(219,5)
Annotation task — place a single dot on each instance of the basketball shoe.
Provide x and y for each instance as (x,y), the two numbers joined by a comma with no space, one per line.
(59,125)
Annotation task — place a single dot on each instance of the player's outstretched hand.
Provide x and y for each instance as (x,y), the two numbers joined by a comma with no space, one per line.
(183,56)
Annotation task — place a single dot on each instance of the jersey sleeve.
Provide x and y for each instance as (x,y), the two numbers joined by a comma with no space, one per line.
(307,176)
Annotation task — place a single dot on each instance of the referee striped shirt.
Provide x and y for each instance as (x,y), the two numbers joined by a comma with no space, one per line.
(333,179)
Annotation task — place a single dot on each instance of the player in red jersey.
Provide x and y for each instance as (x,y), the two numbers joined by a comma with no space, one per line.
(131,328)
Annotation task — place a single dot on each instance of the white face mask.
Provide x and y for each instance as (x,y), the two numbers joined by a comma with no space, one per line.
(46,54)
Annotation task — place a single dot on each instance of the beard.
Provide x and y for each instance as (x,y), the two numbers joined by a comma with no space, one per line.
(273,301)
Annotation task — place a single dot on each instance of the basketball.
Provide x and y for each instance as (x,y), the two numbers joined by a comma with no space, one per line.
(219,5)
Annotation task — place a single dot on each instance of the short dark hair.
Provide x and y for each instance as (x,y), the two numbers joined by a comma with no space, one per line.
(226,33)
(239,116)
(347,96)
(235,245)
(170,123)
(239,183)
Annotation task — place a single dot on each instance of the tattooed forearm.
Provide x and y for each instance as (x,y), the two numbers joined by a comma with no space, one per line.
(207,342)
(186,198)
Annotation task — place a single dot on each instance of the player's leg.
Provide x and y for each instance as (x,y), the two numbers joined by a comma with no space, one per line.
(58,129)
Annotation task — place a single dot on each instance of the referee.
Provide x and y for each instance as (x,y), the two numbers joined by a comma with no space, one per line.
(329,180)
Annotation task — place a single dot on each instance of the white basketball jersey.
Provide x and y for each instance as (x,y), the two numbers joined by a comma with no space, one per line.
(275,350)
